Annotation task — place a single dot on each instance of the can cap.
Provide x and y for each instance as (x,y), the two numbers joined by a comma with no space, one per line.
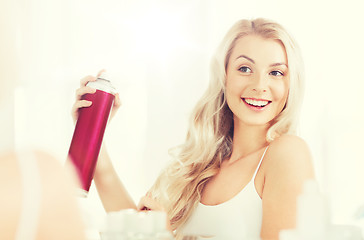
(103,83)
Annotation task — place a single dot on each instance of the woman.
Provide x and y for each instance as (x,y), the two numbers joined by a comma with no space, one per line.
(241,167)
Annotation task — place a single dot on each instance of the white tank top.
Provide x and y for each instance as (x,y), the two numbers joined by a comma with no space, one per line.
(31,198)
(237,218)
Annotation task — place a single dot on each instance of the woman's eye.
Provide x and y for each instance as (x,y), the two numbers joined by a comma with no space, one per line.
(276,73)
(245,70)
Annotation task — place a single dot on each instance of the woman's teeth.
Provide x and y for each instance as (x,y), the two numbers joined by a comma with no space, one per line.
(256,103)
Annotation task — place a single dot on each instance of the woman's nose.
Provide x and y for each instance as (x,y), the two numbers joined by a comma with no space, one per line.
(260,83)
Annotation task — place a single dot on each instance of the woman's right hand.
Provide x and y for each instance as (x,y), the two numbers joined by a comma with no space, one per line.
(79,103)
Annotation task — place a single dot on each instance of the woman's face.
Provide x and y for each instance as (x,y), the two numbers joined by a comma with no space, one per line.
(257,81)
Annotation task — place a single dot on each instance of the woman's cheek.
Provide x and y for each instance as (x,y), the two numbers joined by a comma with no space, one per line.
(280,91)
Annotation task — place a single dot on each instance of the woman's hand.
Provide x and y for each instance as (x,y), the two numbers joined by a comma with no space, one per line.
(84,103)
(148,203)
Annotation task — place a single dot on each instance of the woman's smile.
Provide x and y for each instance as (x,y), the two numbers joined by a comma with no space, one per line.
(256,104)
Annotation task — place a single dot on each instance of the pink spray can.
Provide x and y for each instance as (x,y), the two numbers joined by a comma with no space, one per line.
(89,131)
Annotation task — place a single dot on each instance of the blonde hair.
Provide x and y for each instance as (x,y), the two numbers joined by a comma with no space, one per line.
(210,133)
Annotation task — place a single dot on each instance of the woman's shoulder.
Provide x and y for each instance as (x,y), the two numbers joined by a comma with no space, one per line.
(45,162)
(288,140)
(60,217)
(288,152)
(288,145)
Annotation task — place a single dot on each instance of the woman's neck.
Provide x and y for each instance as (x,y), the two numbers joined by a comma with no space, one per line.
(248,139)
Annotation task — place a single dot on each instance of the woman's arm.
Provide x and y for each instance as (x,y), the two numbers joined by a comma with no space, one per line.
(112,192)
(288,165)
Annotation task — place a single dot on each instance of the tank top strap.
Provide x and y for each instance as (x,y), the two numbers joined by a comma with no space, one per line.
(260,162)
(31,198)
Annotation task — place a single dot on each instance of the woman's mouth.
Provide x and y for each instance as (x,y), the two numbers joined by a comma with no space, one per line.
(256,104)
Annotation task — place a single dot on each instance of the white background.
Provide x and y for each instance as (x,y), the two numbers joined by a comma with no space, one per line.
(157,55)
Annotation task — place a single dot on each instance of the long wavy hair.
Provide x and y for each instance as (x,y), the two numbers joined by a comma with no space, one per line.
(209,138)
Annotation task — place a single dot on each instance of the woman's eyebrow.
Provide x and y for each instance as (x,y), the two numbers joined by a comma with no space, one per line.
(278,64)
(248,58)
(251,60)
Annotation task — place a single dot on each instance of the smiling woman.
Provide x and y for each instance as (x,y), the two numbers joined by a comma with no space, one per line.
(240,169)
(252,168)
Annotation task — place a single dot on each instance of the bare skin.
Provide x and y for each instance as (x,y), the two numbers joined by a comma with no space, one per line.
(59,218)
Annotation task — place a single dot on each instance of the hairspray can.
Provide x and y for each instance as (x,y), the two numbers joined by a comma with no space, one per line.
(89,131)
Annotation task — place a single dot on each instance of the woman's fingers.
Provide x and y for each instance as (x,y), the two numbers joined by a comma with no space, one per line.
(101,71)
(79,104)
(79,93)
(141,204)
(117,102)
(90,78)
(83,90)
(87,79)
(149,203)
(88,90)
(116,106)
